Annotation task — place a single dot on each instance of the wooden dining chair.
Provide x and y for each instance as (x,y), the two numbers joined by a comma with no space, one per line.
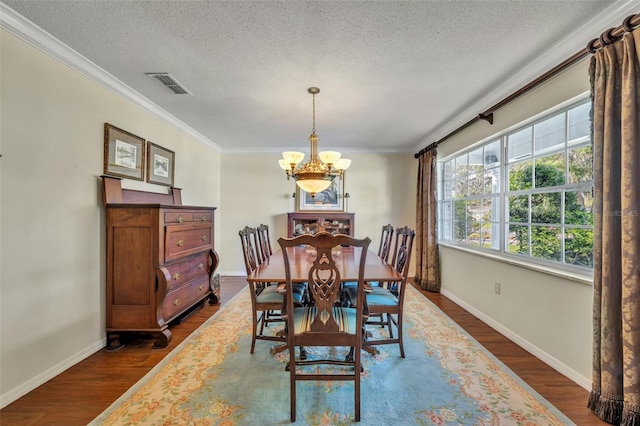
(387,300)
(266,301)
(324,322)
(264,242)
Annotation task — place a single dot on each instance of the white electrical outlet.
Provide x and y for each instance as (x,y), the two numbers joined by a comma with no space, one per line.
(497,287)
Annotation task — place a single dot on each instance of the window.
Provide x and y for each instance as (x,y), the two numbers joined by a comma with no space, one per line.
(525,193)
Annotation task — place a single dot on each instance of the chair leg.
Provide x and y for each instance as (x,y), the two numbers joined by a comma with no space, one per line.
(400,341)
(254,327)
(292,385)
(358,371)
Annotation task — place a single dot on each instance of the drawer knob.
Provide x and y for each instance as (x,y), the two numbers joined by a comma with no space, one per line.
(176,302)
(176,277)
(201,266)
(204,238)
(180,219)
(180,243)
(201,287)
(204,218)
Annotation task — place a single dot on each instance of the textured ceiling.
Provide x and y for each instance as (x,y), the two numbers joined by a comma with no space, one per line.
(394,75)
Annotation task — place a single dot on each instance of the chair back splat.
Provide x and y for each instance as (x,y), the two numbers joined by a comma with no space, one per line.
(385,242)
(264,242)
(324,322)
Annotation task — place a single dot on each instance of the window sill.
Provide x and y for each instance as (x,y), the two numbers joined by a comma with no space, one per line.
(579,277)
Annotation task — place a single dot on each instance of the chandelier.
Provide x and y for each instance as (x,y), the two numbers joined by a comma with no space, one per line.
(318,173)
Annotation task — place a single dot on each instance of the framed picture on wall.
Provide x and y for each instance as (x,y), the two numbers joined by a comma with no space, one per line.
(331,199)
(123,153)
(160,164)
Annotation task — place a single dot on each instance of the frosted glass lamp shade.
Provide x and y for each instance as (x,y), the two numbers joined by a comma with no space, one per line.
(293,157)
(313,186)
(329,157)
(284,165)
(343,164)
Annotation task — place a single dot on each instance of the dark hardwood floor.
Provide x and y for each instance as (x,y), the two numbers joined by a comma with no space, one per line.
(79,394)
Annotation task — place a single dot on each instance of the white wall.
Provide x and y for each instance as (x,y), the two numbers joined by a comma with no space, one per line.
(550,315)
(52,232)
(255,190)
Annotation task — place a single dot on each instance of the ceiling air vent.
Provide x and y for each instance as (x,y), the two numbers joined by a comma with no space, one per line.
(167,81)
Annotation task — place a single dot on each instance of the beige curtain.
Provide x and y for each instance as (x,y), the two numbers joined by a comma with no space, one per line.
(615,88)
(428,258)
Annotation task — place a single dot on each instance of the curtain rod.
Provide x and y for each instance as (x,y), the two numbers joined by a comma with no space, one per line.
(608,37)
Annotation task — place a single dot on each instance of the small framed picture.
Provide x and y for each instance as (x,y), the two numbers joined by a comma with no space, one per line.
(123,153)
(331,199)
(160,164)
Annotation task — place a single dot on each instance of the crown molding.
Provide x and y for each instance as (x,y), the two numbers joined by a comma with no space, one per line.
(30,33)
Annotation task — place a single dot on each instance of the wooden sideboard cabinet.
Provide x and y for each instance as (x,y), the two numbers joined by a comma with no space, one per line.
(300,223)
(160,261)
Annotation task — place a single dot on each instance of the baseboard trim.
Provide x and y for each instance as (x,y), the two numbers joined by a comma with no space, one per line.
(20,391)
(525,344)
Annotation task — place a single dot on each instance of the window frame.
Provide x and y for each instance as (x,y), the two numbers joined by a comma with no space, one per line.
(499,247)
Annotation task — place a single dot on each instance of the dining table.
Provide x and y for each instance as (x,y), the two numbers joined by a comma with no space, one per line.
(300,259)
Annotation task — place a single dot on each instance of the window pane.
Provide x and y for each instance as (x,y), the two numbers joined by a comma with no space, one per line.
(580,164)
(518,239)
(579,125)
(460,231)
(546,207)
(490,234)
(492,154)
(549,134)
(476,158)
(492,181)
(520,176)
(460,187)
(546,242)
(550,170)
(473,233)
(519,144)
(446,216)
(476,181)
(518,209)
(578,207)
(490,209)
(447,190)
(578,247)
(447,169)
(460,210)
(474,209)
(461,164)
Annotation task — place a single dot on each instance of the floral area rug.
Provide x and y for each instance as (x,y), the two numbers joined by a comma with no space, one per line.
(447,378)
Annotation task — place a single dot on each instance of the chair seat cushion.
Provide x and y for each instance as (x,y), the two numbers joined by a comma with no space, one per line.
(381,297)
(345,317)
(269,294)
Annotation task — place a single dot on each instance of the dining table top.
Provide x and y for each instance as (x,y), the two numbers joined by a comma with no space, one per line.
(272,270)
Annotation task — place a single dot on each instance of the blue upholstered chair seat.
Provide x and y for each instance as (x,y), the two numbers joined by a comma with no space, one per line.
(381,297)
(270,294)
(345,317)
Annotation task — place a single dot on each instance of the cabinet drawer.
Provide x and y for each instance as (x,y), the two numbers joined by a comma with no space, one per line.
(186,239)
(202,216)
(183,297)
(178,217)
(182,272)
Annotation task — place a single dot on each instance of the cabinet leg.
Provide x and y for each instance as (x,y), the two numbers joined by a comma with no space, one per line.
(163,339)
(214,299)
(113,342)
